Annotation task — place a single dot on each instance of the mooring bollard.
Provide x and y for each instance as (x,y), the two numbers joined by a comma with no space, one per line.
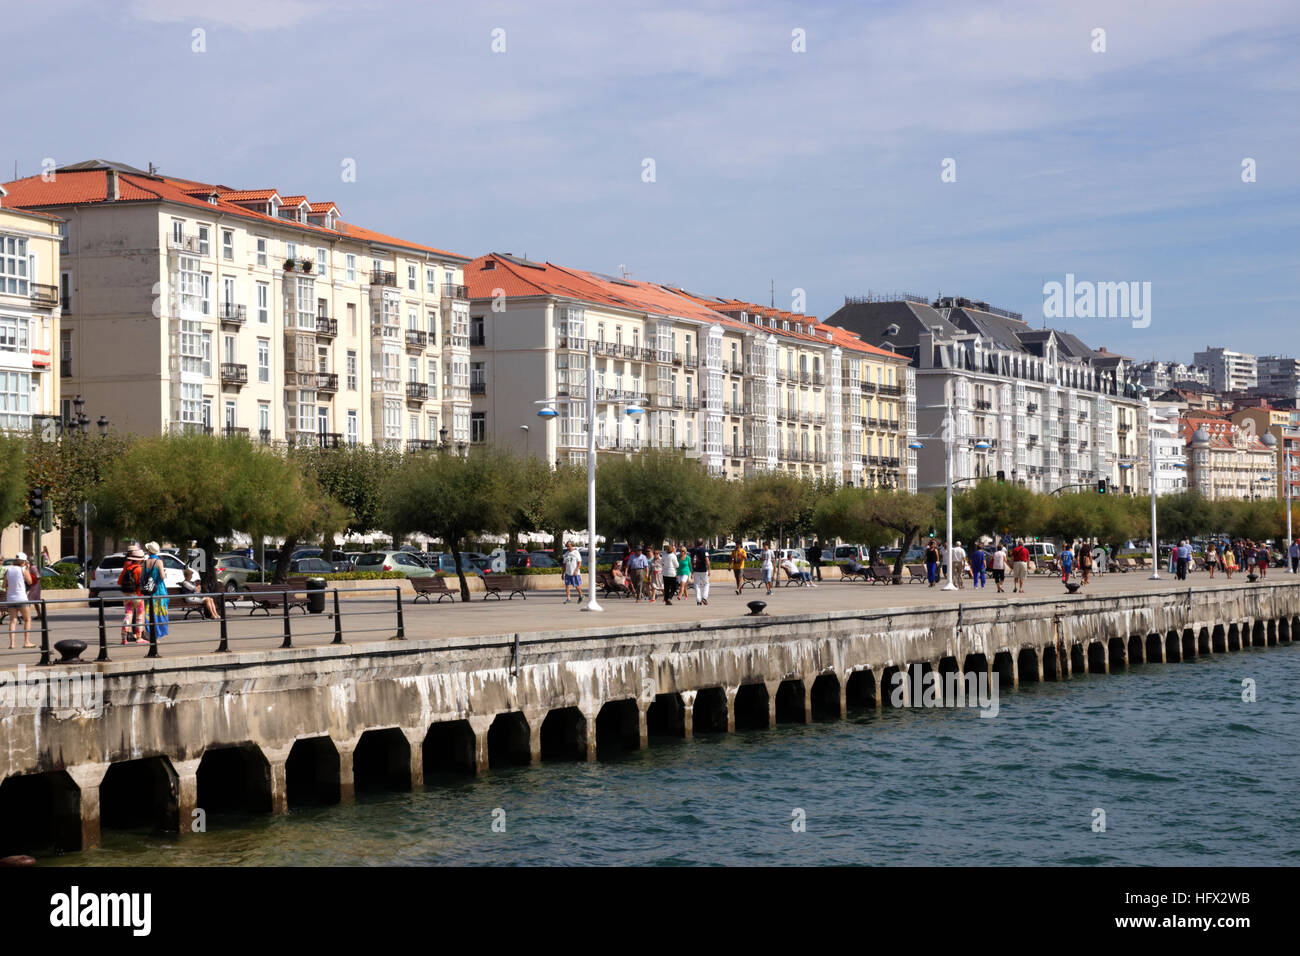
(401,624)
(103,634)
(221,614)
(338,621)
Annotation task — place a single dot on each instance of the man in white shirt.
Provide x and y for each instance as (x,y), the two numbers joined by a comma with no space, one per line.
(959,564)
(670,575)
(572,571)
(768,565)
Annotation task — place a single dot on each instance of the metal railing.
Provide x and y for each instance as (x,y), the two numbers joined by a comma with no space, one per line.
(326,327)
(232,314)
(379,277)
(43,294)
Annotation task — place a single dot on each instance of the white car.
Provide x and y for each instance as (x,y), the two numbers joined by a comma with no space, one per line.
(104,580)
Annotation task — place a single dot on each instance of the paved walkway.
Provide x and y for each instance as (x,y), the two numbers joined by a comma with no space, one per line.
(374,619)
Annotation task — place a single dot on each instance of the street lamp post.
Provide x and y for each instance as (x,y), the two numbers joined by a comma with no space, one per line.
(948,482)
(548,411)
(1151,480)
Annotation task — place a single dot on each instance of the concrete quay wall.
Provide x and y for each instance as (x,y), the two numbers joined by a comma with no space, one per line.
(260,730)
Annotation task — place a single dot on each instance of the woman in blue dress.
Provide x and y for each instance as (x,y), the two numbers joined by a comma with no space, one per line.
(154,568)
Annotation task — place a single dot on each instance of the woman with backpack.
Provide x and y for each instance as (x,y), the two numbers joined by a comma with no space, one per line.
(130,581)
(154,572)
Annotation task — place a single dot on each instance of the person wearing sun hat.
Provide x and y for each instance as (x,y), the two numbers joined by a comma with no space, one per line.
(132,606)
(18,578)
(154,568)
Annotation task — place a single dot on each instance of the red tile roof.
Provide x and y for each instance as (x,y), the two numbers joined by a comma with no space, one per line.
(493,274)
(83,187)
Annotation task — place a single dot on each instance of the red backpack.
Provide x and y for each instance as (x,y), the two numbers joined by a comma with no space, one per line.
(129,579)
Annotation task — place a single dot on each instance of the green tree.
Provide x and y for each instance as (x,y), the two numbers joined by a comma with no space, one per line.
(776,505)
(906,514)
(13,480)
(453,497)
(990,508)
(179,488)
(68,469)
(658,495)
(851,514)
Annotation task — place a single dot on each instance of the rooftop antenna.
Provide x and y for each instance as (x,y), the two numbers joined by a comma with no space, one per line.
(152,169)
(772,283)
(622,270)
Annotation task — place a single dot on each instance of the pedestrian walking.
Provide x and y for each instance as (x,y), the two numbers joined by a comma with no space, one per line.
(45,557)
(637,566)
(1019,566)
(1067,564)
(656,574)
(959,564)
(1261,559)
(683,572)
(815,559)
(1211,559)
(932,562)
(978,558)
(768,565)
(1085,561)
(18,577)
(738,558)
(1229,562)
(669,583)
(572,571)
(998,566)
(129,582)
(700,567)
(1295,556)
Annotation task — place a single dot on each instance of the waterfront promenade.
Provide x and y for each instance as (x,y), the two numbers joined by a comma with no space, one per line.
(371,616)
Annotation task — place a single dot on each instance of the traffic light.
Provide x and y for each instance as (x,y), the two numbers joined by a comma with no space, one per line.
(1101,486)
(1002,477)
(37,500)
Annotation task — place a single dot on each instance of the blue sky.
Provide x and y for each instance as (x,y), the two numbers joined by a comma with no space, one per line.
(817,170)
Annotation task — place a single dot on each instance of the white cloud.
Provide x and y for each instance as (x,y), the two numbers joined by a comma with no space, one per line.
(247,15)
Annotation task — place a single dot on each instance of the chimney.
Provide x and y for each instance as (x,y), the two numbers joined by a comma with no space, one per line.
(114,193)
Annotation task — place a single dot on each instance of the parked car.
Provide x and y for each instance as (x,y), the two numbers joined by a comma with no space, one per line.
(1041,549)
(297,566)
(403,561)
(847,552)
(472,561)
(890,555)
(104,580)
(235,569)
(338,559)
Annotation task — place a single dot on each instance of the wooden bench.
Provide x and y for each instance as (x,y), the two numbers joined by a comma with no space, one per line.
(917,574)
(859,572)
(883,574)
(425,588)
(512,584)
(605,581)
(751,578)
(267,596)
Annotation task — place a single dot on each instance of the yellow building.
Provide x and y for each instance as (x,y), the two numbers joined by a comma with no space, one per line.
(29,329)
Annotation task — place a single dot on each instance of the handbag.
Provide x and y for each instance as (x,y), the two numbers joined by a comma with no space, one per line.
(149,583)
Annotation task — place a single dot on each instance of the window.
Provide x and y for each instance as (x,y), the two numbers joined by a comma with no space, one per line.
(229,355)
(351,269)
(228,295)
(191,349)
(205,246)
(306,410)
(230,415)
(13,333)
(264,418)
(413,371)
(207,414)
(392,419)
(413,427)
(476,330)
(227,244)
(263,303)
(13,265)
(305,297)
(478,426)
(430,281)
(352,371)
(207,354)
(352,427)
(322,262)
(63,238)
(431,376)
(65,353)
(15,399)
(352,318)
(261,251)
(205,293)
(65,292)
(410,276)
(264,360)
(291,250)
(433,326)
(191,402)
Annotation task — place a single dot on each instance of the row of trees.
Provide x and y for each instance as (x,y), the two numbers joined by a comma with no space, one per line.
(194,487)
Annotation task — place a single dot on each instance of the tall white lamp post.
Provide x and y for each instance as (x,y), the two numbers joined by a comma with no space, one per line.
(548,410)
(946,433)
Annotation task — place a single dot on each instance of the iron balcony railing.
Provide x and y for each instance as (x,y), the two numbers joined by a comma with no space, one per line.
(44,295)
(380,277)
(326,327)
(417,391)
(233,374)
(417,339)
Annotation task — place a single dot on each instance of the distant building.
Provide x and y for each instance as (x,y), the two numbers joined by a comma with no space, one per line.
(1159,376)
(1229,371)
(1051,412)
(1225,460)
(1279,377)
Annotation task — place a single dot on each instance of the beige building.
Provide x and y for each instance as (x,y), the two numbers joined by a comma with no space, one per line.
(194,306)
(742,387)
(29,329)
(1227,461)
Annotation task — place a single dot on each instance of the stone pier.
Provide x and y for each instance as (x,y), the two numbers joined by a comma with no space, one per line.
(268,729)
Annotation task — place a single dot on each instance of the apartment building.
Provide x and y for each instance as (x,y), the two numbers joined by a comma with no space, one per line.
(1158,377)
(742,387)
(1225,460)
(1037,405)
(1263,419)
(29,329)
(1278,376)
(195,306)
(1229,371)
